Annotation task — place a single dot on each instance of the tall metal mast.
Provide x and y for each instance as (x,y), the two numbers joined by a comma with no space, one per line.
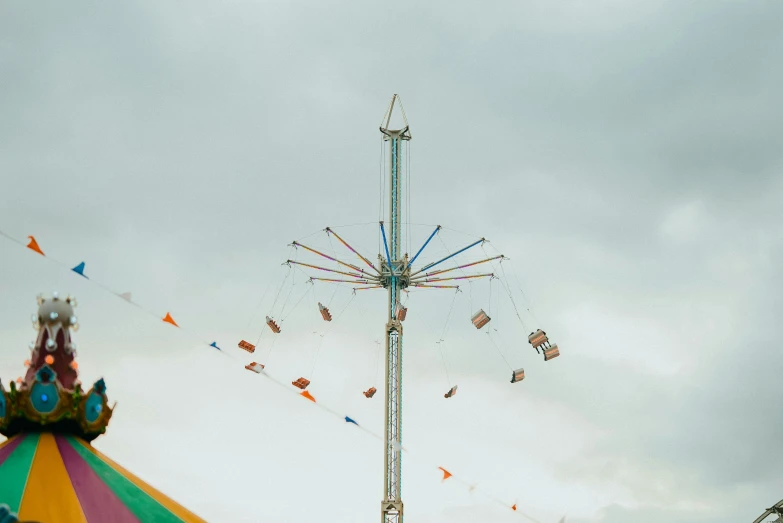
(395,272)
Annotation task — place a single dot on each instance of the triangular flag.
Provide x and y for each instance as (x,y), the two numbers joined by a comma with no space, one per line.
(308,395)
(169,319)
(214,344)
(79,269)
(34,246)
(349,420)
(446,473)
(514,506)
(125,296)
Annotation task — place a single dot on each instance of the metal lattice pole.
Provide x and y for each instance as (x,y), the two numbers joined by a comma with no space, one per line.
(396,274)
(393,273)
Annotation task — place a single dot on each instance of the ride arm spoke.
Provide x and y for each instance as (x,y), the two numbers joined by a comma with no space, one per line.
(429,274)
(325,269)
(365,260)
(354,267)
(433,264)
(425,244)
(354,282)
(491,275)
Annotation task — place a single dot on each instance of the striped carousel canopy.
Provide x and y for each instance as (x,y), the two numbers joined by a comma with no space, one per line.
(53,478)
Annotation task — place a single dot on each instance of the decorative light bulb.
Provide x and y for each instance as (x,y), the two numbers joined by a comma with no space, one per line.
(72,320)
(34,318)
(49,360)
(53,315)
(44,398)
(55,295)
(51,346)
(75,327)
(32,345)
(39,299)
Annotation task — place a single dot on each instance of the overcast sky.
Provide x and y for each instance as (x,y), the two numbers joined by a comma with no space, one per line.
(626,156)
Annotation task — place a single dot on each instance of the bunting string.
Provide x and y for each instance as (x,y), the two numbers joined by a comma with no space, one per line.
(80,269)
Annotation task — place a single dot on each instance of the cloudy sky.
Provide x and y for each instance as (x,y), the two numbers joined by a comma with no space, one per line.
(626,156)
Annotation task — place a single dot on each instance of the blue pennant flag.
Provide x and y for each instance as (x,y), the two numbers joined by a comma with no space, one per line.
(349,420)
(214,344)
(79,269)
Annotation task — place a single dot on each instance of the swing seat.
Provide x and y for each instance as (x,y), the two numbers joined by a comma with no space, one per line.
(401,312)
(255,367)
(480,319)
(452,391)
(551,352)
(538,338)
(517,375)
(272,325)
(301,383)
(327,316)
(249,347)
(369,393)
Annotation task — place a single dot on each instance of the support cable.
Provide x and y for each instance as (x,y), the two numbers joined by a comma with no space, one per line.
(443,337)
(337,316)
(499,351)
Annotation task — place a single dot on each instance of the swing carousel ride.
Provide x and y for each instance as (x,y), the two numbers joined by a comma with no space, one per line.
(26,414)
(398,274)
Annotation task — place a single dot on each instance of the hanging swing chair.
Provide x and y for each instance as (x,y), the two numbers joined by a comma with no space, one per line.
(301,383)
(480,319)
(327,316)
(255,367)
(517,375)
(538,340)
(272,325)
(401,312)
(249,347)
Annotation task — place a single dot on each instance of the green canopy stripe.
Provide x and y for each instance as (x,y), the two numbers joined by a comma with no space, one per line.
(15,470)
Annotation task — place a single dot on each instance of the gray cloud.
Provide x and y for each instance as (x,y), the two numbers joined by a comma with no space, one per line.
(627,158)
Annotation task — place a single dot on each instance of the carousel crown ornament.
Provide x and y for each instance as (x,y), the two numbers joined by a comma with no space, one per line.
(50,397)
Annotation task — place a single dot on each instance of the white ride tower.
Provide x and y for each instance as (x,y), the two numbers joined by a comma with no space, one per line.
(394,273)
(395,276)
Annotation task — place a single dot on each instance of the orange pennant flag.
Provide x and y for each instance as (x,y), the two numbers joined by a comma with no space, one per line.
(169,319)
(446,473)
(33,245)
(514,506)
(308,395)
